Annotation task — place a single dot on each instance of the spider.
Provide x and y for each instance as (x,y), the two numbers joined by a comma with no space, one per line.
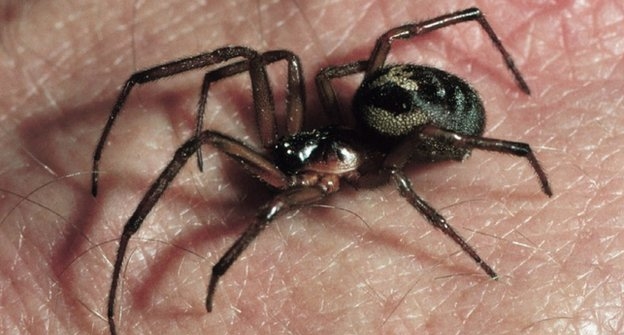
(404,113)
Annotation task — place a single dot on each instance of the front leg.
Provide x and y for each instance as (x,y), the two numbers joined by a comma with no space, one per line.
(294,197)
(159,72)
(252,161)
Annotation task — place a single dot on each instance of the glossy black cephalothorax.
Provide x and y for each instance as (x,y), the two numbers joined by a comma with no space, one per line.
(404,114)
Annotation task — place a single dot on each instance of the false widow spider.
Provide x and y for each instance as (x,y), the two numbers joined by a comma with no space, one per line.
(404,113)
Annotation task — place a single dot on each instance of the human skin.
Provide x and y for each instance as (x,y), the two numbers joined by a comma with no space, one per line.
(366,264)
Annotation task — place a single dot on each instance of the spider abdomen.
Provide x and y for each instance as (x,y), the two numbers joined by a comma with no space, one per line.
(399,98)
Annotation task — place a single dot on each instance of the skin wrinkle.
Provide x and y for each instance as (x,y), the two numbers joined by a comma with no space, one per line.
(580,154)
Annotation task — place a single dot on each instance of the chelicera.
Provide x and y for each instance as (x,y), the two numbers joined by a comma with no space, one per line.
(404,114)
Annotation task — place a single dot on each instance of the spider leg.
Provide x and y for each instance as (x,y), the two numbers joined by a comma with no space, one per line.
(294,197)
(261,87)
(259,166)
(437,220)
(295,100)
(491,144)
(400,156)
(391,168)
(382,46)
(264,105)
(326,91)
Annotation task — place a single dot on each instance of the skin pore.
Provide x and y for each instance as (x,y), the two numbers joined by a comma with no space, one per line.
(368,264)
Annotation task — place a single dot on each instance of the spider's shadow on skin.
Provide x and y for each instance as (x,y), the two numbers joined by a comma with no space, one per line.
(43,137)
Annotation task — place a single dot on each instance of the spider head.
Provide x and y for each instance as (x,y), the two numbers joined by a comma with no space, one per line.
(327,151)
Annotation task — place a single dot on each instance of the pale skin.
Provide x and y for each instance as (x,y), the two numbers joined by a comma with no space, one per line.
(321,270)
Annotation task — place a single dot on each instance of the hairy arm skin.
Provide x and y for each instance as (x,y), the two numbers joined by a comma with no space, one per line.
(321,270)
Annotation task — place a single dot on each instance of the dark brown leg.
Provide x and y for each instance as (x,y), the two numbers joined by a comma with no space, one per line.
(286,200)
(392,168)
(326,90)
(491,144)
(167,70)
(265,108)
(406,191)
(382,47)
(251,160)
